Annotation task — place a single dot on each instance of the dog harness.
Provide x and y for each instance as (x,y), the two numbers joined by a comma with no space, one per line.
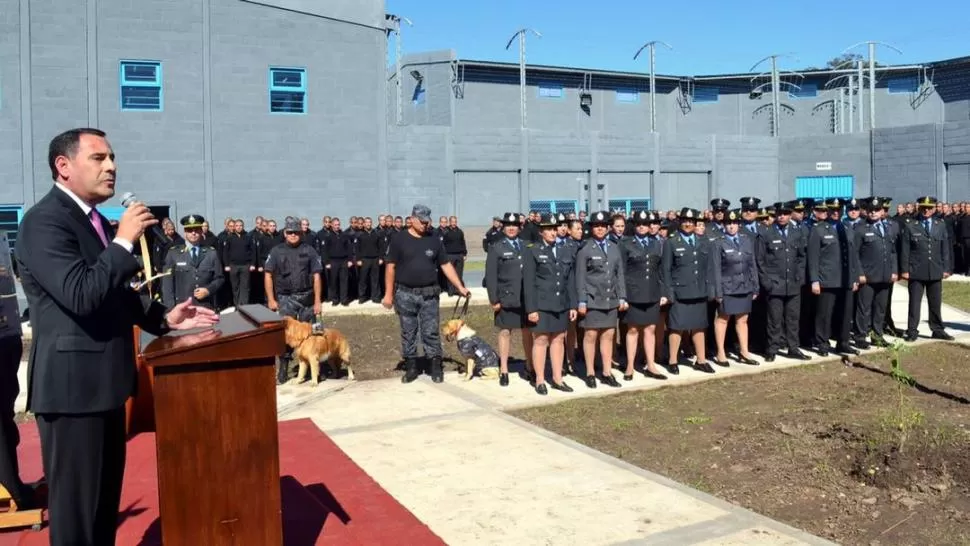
(480,351)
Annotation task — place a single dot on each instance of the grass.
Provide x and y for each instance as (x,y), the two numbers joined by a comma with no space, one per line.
(957,294)
(476,265)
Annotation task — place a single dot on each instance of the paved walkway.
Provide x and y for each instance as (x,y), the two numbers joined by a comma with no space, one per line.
(476,475)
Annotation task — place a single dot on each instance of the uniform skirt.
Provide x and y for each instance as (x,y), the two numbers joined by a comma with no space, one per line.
(551,322)
(735,305)
(642,314)
(511,318)
(688,315)
(598,319)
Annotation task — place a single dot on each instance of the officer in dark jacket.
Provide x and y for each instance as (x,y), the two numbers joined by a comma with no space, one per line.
(454,240)
(781,272)
(503,280)
(645,292)
(340,258)
(292,282)
(493,234)
(833,271)
(370,258)
(924,261)
(735,280)
(195,270)
(239,261)
(550,303)
(879,263)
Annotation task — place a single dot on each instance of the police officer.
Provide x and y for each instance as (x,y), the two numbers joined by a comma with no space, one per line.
(781,272)
(749,215)
(370,258)
(569,247)
(292,281)
(503,280)
(454,240)
(195,269)
(493,234)
(735,286)
(893,228)
(646,294)
(339,258)
(550,303)
(924,261)
(833,271)
(11,351)
(879,263)
(720,208)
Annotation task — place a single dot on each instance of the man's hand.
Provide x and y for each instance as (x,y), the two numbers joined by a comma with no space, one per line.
(496,306)
(572,315)
(862,279)
(582,310)
(388,301)
(316,308)
(624,306)
(754,296)
(326,266)
(359,263)
(350,264)
(946,275)
(533,317)
(201,293)
(855,287)
(226,269)
(252,268)
(663,301)
(465,292)
(905,276)
(135,220)
(186,316)
(273,305)
(894,277)
(816,288)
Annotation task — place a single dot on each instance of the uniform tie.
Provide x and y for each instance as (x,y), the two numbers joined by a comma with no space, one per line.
(195,254)
(926,224)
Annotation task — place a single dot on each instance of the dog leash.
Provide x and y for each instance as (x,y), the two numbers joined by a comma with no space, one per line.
(460,314)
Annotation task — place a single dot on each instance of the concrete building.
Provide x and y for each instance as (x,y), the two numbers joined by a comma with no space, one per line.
(287,107)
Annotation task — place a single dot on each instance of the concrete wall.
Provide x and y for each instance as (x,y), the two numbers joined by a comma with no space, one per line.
(908,161)
(956,160)
(849,155)
(11,156)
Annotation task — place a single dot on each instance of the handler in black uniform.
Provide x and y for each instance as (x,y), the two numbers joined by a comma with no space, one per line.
(641,255)
(196,271)
(503,280)
(735,270)
(370,258)
(879,263)
(833,271)
(292,282)
(550,303)
(411,288)
(781,272)
(924,261)
(340,259)
(688,276)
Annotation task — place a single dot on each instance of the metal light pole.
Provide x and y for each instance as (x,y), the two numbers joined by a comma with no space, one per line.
(652,46)
(396,29)
(521,34)
(872,79)
(862,124)
(776,84)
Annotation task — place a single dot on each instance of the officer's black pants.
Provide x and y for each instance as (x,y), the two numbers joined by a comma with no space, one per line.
(806,322)
(456,260)
(756,323)
(966,257)
(258,292)
(11,350)
(239,276)
(782,324)
(337,291)
(872,300)
(934,299)
(367,280)
(833,312)
(888,322)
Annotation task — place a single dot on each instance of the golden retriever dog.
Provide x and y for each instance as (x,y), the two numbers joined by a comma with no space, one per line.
(310,350)
(478,354)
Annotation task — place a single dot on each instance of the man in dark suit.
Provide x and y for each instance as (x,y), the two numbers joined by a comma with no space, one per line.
(76,272)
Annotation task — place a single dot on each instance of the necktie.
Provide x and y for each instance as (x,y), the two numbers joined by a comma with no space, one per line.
(926,224)
(554,255)
(881,232)
(515,245)
(690,242)
(195,254)
(735,241)
(96,222)
(603,247)
(784,233)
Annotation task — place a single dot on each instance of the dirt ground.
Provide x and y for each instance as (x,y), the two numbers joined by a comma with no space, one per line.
(846,453)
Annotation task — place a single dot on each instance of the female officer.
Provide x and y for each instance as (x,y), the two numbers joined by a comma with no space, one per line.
(549,303)
(601,291)
(735,286)
(641,255)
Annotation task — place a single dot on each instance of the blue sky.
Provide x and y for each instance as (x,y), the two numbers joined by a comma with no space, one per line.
(708,36)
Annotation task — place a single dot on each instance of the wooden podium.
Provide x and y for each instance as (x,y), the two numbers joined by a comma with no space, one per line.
(216,431)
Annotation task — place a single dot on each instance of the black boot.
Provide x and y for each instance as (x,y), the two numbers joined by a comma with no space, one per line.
(437,373)
(411,370)
(283,367)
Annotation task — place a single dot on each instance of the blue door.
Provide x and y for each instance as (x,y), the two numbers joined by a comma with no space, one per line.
(824,187)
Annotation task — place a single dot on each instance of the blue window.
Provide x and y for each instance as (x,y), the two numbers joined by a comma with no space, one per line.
(704,94)
(824,187)
(903,84)
(627,95)
(551,91)
(287,90)
(804,91)
(418,96)
(141,86)
(554,206)
(10,217)
(629,205)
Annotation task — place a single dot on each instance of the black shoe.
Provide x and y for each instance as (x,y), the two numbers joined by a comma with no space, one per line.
(503,379)
(861,344)
(722,363)
(609,380)
(845,349)
(910,337)
(590,381)
(437,372)
(628,377)
(797,354)
(879,341)
(561,387)
(942,335)
(541,389)
(770,357)
(703,367)
(672,369)
(822,350)
(411,371)
(748,361)
(530,376)
(375,301)
(652,375)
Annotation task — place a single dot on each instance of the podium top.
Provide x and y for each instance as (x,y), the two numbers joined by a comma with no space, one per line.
(251,331)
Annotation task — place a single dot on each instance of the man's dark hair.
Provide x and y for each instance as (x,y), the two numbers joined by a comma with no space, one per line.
(66,144)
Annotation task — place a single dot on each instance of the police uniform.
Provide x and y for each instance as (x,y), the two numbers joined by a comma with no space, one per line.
(191,267)
(292,269)
(879,263)
(781,272)
(641,271)
(735,271)
(503,278)
(687,275)
(925,257)
(546,289)
(600,283)
(833,262)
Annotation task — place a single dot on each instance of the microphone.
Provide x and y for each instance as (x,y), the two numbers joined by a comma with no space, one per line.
(127,199)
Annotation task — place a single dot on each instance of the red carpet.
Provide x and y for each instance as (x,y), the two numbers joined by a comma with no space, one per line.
(327,499)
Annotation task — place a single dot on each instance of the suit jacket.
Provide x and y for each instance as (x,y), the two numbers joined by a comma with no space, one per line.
(925,255)
(82,310)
